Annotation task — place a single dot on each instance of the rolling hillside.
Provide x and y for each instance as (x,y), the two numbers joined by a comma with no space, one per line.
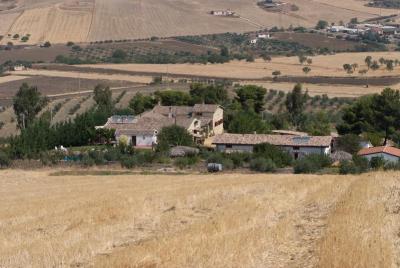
(60,21)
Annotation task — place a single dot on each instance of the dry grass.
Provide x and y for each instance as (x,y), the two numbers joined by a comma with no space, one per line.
(332,90)
(51,23)
(230,220)
(66,20)
(330,65)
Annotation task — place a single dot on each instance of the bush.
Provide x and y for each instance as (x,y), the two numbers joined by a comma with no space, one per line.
(128,162)
(97,156)
(392,166)
(348,167)
(221,159)
(173,136)
(278,156)
(145,157)
(311,163)
(4,160)
(51,158)
(184,162)
(239,159)
(87,161)
(361,163)
(261,164)
(112,155)
(377,163)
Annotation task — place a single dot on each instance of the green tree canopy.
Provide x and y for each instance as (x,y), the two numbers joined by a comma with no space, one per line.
(251,97)
(322,24)
(295,104)
(246,122)
(173,97)
(317,124)
(141,103)
(27,104)
(103,97)
(379,113)
(209,94)
(173,136)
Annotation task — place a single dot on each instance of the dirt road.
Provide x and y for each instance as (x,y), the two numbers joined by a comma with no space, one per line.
(229,220)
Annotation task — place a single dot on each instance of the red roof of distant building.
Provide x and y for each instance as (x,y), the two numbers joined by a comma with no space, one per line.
(381,149)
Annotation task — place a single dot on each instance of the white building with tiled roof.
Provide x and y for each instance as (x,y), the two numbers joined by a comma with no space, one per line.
(201,121)
(296,145)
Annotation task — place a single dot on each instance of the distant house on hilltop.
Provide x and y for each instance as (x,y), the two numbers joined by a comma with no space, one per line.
(297,146)
(200,120)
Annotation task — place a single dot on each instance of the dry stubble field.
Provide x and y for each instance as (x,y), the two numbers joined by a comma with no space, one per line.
(229,220)
(60,21)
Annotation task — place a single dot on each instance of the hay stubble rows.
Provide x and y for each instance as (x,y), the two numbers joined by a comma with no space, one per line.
(198,220)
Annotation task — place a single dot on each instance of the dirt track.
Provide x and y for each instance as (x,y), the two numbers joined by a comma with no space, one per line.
(199,220)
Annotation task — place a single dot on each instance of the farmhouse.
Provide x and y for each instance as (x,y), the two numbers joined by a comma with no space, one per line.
(297,146)
(200,120)
(388,153)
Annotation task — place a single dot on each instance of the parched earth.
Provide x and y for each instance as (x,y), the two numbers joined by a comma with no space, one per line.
(228,220)
(60,21)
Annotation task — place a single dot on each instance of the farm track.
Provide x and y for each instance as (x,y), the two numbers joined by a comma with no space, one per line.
(252,220)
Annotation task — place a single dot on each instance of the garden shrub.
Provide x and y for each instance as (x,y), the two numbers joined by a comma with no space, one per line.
(348,167)
(221,159)
(187,161)
(87,161)
(129,162)
(261,164)
(311,163)
(97,156)
(4,160)
(280,157)
(112,155)
(377,163)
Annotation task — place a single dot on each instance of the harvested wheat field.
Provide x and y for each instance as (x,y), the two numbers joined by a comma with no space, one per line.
(322,65)
(60,21)
(230,220)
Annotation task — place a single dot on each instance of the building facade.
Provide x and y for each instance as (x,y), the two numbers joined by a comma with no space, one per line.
(388,153)
(201,121)
(297,146)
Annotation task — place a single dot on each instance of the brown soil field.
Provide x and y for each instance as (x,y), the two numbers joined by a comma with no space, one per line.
(50,85)
(33,54)
(83,75)
(60,21)
(228,220)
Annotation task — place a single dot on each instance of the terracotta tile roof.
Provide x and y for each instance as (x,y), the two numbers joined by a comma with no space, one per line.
(205,108)
(279,140)
(159,117)
(380,149)
(176,110)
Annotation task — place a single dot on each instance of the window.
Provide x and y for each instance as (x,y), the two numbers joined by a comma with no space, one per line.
(229,146)
(296,148)
(219,122)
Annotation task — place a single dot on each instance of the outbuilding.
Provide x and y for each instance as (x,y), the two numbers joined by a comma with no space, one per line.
(388,153)
(297,146)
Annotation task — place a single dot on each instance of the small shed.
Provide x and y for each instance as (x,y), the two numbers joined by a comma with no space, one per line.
(388,153)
